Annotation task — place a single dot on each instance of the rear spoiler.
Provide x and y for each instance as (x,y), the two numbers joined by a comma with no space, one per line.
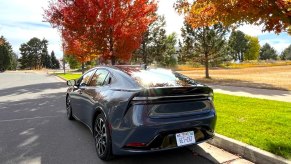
(175,92)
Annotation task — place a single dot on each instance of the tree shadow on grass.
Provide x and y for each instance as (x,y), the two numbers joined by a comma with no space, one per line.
(281,149)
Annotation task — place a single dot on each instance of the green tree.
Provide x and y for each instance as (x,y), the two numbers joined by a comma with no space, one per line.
(45,57)
(54,61)
(14,61)
(167,58)
(35,46)
(253,50)
(209,45)
(186,47)
(158,43)
(267,52)
(5,58)
(73,62)
(286,54)
(150,40)
(31,54)
(6,54)
(238,44)
(34,54)
(24,60)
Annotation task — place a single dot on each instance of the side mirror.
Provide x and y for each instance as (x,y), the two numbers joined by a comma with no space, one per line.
(71,82)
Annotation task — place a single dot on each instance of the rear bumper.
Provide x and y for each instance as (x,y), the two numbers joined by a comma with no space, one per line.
(159,134)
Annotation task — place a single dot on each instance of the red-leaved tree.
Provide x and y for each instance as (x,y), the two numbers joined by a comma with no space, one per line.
(111,29)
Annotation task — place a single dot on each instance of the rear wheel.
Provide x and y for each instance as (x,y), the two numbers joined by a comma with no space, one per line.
(102,138)
(69,108)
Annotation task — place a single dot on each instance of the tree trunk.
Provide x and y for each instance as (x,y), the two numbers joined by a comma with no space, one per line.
(111,49)
(113,60)
(206,67)
(83,67)
(64,65)
(64,62)
(144,54)
(97,61)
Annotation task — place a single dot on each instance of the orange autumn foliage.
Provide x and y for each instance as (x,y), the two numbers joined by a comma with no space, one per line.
(111,28)
(274,15)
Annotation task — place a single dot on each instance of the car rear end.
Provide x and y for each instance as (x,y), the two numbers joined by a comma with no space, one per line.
(166,116)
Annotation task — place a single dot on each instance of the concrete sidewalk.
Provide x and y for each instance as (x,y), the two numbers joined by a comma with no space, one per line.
(217,155)
(269,94)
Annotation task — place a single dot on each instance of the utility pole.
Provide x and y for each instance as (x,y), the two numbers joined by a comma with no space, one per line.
(63,46)
(64,67)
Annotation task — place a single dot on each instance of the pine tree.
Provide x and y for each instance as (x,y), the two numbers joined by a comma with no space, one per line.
(151,46)
(34,54)
(54,61)
(209,43)
(45,57)
(238,44)
(286,54)
(186,47)
(6,53)
(167,58)
(14,62)
(267,52)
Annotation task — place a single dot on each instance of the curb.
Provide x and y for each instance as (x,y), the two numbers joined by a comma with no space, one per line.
(60,78)
(246,151)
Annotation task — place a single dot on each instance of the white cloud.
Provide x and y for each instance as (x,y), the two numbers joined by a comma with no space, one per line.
(252,30)
(279,42)
(22,20)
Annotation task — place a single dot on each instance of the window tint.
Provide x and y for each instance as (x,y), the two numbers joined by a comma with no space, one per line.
(158,77)
(86,78)
(98,78)
(107,80)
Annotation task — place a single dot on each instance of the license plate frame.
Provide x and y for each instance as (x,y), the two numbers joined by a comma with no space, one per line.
(185,138)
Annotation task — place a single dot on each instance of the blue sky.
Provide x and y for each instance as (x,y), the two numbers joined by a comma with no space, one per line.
(20,20)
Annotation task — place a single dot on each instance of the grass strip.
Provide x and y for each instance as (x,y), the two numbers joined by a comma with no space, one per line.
(265,124)
(69,76)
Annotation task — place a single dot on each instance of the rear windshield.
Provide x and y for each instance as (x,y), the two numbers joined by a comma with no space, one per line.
(158,77)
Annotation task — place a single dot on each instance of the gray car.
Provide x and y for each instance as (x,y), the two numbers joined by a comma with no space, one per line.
(132,110)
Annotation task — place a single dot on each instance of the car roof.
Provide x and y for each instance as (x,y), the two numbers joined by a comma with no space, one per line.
(140,76)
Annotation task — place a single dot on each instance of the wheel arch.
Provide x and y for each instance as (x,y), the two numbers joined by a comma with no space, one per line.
(97,111)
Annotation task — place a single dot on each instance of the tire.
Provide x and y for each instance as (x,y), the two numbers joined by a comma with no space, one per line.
(69,108)
(102,138)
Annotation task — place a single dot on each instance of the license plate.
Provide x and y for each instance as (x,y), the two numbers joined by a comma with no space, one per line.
(185,138)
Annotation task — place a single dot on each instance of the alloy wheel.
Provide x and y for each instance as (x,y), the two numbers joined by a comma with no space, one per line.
(100,136)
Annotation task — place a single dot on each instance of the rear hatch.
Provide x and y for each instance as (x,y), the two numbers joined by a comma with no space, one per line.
(166,93)
(175,102)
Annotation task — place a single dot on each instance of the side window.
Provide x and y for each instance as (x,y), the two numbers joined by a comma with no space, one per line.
(86,78)
(107,80)
(99,77)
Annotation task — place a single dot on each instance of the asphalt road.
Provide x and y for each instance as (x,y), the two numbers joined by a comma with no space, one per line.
(34,127)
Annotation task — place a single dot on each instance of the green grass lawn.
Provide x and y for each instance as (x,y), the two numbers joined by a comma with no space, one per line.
(69,76)
(265,124)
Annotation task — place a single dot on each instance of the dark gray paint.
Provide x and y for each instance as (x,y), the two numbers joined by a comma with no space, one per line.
(132,124)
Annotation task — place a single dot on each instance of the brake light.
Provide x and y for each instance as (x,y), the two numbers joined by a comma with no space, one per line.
(136,144)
